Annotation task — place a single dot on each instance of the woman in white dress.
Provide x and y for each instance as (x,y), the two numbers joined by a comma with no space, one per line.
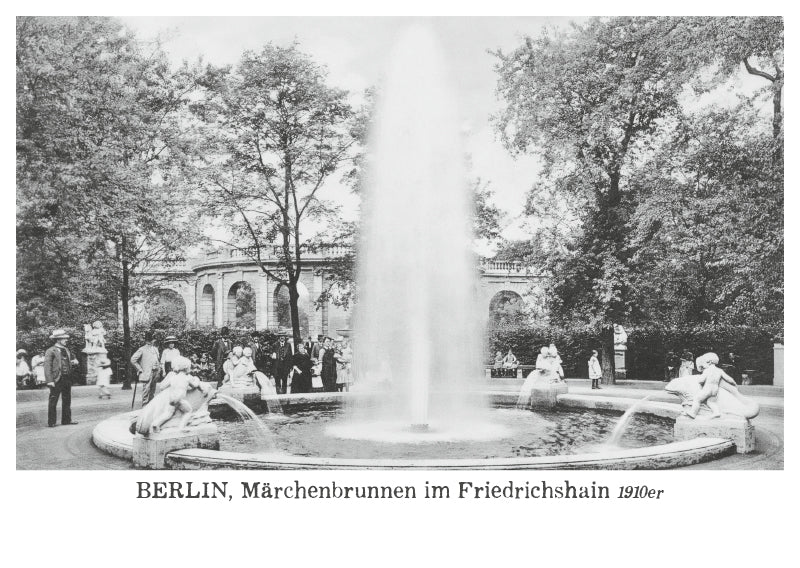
(38,369)
(344,374)
(687,364)
(104,378)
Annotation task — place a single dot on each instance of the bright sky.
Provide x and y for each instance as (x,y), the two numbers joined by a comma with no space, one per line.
(355,51)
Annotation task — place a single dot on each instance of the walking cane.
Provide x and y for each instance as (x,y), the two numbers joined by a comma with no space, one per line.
(133,399)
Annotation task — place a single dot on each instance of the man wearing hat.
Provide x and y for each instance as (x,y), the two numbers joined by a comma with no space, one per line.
(147,365)
(282,362)
(58,363)
(219,353)
(258,351)
(169,354)
(313,351)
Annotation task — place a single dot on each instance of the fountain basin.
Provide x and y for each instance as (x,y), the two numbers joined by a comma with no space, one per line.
(112,437)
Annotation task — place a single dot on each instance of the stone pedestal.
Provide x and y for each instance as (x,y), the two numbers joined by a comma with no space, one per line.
(93,357)
(777,354)
(730,427)
(546,395)
(149,451)
(620,372)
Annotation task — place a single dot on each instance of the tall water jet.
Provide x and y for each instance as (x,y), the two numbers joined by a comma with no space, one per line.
(417,326)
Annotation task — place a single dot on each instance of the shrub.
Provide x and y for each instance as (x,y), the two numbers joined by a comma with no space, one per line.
(647,347)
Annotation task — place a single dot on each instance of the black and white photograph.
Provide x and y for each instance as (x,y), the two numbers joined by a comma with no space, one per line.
(400,243)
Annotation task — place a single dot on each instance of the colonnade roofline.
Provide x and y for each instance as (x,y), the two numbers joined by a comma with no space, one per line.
(228,257)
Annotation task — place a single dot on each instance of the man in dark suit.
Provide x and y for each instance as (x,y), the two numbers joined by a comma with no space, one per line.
(58,363)
(219,353)
(258,351)
(281,362)
(313,351)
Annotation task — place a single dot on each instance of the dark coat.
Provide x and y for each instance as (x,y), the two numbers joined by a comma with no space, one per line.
(219,352)
(57,363)
(283,355)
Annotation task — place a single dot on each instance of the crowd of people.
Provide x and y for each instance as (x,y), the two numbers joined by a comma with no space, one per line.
(322,365)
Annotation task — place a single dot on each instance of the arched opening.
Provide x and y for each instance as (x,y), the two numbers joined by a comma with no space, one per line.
(283,314)
(165,309)
(206,307)
(506,309)
(240,305)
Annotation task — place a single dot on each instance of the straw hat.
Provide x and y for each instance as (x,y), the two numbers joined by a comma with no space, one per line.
(21,352)
(170,339)
(59,334)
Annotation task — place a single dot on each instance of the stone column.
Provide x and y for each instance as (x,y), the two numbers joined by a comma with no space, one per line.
(316,323)
(777,355)
(270,302)
(262,303)
(190,299)
(219,311)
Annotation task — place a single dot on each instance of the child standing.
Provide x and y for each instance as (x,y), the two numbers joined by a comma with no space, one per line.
(595,371)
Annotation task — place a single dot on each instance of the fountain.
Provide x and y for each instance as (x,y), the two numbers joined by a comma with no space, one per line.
(417,330)
(419,397)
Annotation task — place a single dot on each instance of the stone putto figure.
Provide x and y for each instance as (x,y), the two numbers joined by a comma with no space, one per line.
(95,337)
(181,402)
(711,393)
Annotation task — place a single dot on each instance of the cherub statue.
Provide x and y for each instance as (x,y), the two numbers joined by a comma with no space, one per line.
(710,377)
(98,335)
(181,398)
(714,388)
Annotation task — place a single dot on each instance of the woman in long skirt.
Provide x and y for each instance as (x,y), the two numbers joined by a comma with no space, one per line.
(344,372)
(301,371)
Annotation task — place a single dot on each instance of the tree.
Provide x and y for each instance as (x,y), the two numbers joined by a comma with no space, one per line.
(708,230)
(283,132)
(102,147)
(589,101)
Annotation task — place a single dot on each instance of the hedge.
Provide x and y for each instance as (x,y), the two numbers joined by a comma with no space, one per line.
(647,347)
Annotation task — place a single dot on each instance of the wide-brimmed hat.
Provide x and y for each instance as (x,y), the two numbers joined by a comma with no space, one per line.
(21,352)
(59,334)
(104,363)
(170,339)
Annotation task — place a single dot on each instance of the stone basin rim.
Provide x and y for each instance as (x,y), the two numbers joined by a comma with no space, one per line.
(109,436)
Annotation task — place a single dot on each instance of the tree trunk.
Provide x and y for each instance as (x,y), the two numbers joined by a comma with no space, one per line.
(607,356)
(294,311)
(126,323)
(777,105)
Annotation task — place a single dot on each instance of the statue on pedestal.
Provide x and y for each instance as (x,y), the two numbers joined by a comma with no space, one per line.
(181,403)
(95,349)
(95,337)
(711,393)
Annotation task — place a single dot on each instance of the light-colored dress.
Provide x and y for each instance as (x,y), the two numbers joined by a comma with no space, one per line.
(595,371)
(168,356)
(104,376)
(686,369)
(344,376)
(38,369)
